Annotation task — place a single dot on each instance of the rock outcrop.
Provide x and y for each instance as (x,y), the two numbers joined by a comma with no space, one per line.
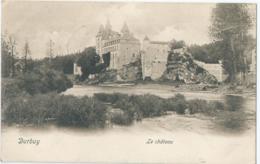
(181,67)
(128,73)
(131,71)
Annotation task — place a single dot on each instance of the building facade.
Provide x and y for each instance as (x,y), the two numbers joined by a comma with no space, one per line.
(123,47)
(154,58)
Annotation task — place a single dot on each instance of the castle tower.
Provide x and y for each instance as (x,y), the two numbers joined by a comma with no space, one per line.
(108,26)
(99,39)
(125,30)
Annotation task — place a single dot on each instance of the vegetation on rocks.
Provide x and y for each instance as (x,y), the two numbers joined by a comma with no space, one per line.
(181,67)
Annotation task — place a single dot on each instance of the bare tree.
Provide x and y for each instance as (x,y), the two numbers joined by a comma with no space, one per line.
(12,45)
(27,55)
(50,50)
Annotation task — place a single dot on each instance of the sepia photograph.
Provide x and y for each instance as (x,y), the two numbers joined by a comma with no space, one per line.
(128,82)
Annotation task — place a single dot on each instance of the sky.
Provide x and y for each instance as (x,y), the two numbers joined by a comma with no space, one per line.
(72,26)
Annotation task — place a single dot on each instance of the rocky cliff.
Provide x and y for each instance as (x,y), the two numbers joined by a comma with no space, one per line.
(131,71)
(181,67)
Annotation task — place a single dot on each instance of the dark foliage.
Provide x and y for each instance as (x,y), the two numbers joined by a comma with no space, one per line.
(89,62)
(208,53)
(43,80)
(177,44)
(64,110)
(230,25)
(38,81)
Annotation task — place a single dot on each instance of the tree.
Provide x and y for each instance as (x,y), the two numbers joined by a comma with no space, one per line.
(50,50)
(6,58)
(208,53)
(12,44)
(230,25)
(177,44)
(26,55)
(87,61)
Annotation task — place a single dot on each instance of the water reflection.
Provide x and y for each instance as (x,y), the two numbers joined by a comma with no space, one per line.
(235,115)
(234,103)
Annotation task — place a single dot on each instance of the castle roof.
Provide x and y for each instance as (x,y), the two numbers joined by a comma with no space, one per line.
(101,30)
(108,33)
(125,29)
(108,25)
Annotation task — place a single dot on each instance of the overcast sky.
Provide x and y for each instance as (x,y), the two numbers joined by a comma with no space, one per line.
(74,25)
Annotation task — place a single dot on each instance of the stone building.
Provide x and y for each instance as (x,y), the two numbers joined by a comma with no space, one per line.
(215,69)
(154,58)
(123,47)
(76,69)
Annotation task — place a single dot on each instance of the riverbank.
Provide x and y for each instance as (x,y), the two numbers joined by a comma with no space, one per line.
(194,141)
(164,90)
(183,138)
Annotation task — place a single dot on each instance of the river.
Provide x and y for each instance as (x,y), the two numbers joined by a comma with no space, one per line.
(182,139)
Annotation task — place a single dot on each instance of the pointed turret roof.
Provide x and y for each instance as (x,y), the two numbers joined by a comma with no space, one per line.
(101,28)
(125,29)
(108,25)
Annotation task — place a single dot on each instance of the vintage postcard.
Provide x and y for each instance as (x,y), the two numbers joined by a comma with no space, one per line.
(128,82)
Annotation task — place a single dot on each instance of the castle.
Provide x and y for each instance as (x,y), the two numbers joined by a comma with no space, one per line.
(123,47)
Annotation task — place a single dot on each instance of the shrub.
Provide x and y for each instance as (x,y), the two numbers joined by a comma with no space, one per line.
(29,110)
(43,80)
(197,106)
(149,105)
(180,107)
(122,118)
(217,105)
(110,98)
(66,110)
(86,112)
(202,106)
(176,103)
(11,89)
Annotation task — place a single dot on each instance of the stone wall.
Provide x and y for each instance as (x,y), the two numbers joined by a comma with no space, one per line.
(215,69)
(154,58)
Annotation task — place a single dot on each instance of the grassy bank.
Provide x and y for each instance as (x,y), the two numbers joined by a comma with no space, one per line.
(63,110)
